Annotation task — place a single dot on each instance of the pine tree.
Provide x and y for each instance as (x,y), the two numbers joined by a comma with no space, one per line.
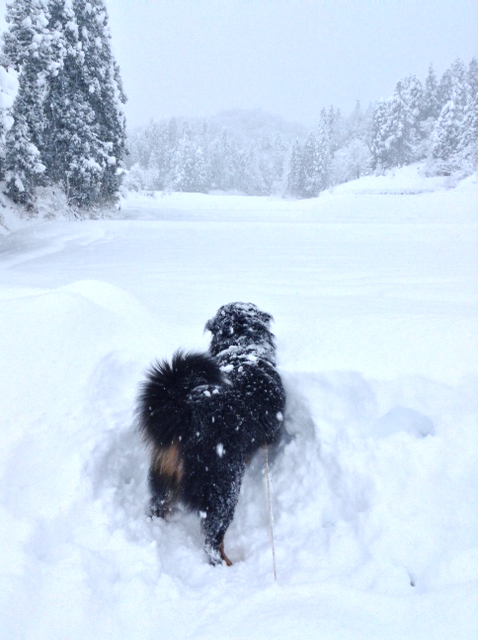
(152,173)
(204,141)
(468,144)
(328,126)
(8,89)
(22,40)
(446,137)
(23,165)
(445,88)
(351,161)
(354,125)
(249,178)
(67,117)
(98,82)
(229,155)
(24,49)
(278,159)
(152,153)
(404,114)
(430,107)
(311,168)
(380,136)
(295,179)
(334,128)
(460,87)
(189,171)
(215,177)
(472,78)
(71,131)
(448,140)
(223,163)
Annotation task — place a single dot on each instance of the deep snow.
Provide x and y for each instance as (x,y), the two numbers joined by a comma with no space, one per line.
(374,293)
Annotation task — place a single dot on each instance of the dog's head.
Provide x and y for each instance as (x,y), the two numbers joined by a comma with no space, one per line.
(239,324)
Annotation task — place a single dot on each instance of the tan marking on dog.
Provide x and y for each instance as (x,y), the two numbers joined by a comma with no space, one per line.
(223,554)
(169,463)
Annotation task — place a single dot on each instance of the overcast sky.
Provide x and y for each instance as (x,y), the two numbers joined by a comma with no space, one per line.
(289,57)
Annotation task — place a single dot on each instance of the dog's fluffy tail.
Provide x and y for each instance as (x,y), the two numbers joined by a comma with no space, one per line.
(170,392)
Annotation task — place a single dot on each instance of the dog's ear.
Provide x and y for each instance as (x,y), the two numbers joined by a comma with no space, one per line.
(266,318)
(210,326)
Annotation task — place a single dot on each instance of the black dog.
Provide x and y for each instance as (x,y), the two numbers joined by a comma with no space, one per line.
(206,414)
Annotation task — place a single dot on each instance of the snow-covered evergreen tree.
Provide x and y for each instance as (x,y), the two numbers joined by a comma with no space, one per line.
(445,88)
(100,81)
(472,78)
(25,49)
(23,165)
(250,178)
(355,124)
(159,156)
(295,179)
(446,137)
(328,128)
(396,132)
(22,41)
(8,90)
(72,135)
(278,159)
(86,128)
(189,169)
(351,161)
(430,107)
(380,134)
(468,145)
(311,167)
(404,113)
(68,127)
(223,163)
(450,134)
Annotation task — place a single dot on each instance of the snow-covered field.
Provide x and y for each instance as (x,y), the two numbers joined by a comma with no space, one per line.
(375,298)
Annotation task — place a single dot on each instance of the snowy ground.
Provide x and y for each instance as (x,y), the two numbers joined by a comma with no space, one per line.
(374,293)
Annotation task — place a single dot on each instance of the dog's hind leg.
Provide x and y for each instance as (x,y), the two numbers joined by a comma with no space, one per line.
(165,478)
(223,554)
(163,495)
(219,506)
(215,548)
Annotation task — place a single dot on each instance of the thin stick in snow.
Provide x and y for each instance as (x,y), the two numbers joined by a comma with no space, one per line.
(271,515)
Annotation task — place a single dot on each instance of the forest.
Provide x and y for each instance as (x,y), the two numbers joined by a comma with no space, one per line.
(62,125)
(435,121)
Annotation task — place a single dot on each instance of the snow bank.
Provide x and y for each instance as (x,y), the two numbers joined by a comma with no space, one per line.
(374,486)
(409,180)
(371,199)
(51,204)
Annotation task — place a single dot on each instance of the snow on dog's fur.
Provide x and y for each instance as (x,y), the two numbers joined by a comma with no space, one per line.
(204,415)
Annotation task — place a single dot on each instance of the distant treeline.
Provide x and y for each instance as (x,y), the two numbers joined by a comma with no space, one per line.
(435,120)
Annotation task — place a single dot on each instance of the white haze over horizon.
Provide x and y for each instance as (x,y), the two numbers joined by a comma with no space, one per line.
(195,58)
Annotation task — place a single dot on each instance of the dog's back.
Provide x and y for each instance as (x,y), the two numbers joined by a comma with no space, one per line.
(243,345)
